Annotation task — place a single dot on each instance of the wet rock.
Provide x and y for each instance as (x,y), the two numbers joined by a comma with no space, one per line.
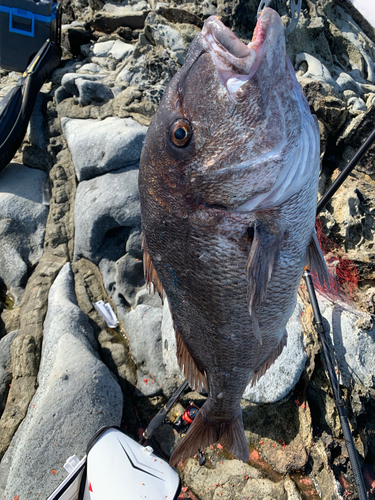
(5,366)
(98,147)
(23,220)
(76,396)
(107,208)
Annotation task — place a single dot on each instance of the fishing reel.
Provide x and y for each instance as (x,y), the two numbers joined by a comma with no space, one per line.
(184,421)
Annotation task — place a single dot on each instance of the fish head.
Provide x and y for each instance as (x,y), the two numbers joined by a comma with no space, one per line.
(228,122)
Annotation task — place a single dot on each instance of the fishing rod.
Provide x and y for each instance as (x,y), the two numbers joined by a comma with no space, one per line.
(160,416)
(339,402)
(344,174)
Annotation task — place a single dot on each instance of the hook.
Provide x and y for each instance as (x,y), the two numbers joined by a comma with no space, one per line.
(295,6)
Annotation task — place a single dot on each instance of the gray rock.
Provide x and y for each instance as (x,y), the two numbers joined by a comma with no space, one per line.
(283,375)
(5,368)
(166,34)
(357,104)
(315,69)
(102,49)
(121,50)
(106,209)
(98,146)
(147,386)
(89,68)
(353,339)
(143,329)
(146,298)
(113,48)
(35,127)
(113,16)
(23,220)
(92,92)
(173,377)
(347,82)
(150,69)
(68,81)
(153,344)
(77,395)
(122,279)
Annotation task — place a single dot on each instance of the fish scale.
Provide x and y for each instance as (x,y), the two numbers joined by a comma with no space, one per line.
(228,188)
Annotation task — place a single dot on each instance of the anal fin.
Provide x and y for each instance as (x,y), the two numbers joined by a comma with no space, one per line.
(151,276)
(262,370)
(188,367)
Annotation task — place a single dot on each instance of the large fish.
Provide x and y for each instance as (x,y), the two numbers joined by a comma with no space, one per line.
(228,185)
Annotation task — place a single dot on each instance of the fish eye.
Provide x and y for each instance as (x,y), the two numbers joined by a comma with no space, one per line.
(180,132)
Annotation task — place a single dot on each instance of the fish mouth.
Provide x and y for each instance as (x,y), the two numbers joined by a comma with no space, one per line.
(237,62)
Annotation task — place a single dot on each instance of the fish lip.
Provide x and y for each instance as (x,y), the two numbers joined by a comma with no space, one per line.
(238,65)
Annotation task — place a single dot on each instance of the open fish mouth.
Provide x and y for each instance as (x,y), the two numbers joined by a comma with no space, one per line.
(237,62)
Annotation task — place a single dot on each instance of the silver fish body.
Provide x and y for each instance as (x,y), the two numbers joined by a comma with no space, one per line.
(228,186)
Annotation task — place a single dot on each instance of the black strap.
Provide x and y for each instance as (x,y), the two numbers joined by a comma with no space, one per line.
(81,492)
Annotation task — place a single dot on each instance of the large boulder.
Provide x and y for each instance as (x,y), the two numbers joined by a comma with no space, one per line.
(76,395)
(106,209)
(5,366)
(23,218)
(99,147)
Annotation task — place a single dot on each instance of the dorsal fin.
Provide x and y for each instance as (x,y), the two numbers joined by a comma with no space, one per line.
(196,378)
(151,276)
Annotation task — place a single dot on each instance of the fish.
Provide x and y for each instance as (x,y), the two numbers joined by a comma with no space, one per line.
(228,182)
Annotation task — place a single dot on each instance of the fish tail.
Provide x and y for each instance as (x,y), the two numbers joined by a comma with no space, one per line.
(203,433)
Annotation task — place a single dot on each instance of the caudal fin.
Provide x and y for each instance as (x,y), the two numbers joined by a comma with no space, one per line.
(204,432)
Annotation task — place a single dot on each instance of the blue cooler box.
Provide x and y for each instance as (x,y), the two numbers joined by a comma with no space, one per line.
(24,26)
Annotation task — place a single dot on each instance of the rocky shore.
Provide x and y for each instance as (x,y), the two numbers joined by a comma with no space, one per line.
(70,236)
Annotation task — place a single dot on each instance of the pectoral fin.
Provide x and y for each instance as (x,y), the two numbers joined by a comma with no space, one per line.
(265,249)
(315,260)
(151,276)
